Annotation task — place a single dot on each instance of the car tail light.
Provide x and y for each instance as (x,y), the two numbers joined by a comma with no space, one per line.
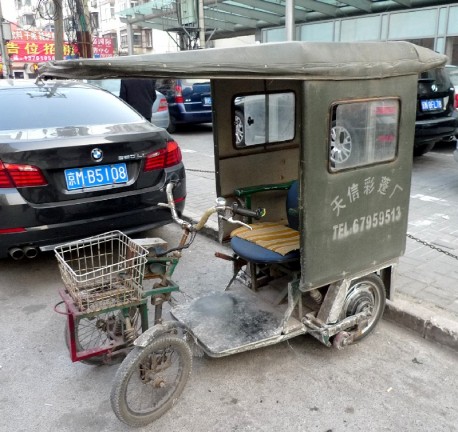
(162,105)
(456,101)
(163,158)
(12,230)
(386,110)
(386,138)
(178,94)
(15,175)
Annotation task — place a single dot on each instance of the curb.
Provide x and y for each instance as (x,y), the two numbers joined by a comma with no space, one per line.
(429,322)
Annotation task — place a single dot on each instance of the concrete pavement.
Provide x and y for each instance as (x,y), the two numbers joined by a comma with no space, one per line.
(426,283)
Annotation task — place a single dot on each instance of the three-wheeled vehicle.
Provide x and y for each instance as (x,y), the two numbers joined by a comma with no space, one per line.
(313,153)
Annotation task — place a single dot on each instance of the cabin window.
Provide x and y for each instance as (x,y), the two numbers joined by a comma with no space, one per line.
(363,133)
(263,118)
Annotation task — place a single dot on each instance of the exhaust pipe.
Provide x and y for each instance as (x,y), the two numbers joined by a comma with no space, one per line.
(16,253)
(30,252)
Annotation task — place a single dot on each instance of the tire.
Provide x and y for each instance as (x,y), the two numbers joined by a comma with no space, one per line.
(340,144)
(166,354)
(98,331)
(420,150)
(239,129)
(172,128)
(368,291)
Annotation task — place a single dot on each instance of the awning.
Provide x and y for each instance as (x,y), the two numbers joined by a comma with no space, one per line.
(228,18)
(283,60)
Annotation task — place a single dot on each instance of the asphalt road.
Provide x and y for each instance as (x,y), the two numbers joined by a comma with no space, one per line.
(391,381)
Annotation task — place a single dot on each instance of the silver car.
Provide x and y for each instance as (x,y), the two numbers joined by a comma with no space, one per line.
(160,117)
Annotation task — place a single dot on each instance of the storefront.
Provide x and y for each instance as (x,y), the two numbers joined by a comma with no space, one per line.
(26,49)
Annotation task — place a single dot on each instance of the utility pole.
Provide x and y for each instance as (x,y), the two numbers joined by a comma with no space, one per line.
(290,21)
(5,58)
(201,24)
(58,30)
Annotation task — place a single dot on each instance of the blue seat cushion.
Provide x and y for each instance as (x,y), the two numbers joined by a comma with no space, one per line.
(257,254)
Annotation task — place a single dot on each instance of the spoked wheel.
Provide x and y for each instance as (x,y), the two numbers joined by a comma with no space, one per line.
(239,129)
(341,144)
(150,380)
(102,329)
(366,293)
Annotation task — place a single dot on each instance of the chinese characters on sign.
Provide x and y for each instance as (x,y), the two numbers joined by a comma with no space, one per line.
(39,51)
(383,187)
(36,47)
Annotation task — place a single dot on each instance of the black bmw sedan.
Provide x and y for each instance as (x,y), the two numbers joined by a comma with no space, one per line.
(76,161)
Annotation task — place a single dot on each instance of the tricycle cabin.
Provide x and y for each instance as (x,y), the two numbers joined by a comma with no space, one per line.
(348,143)
(335,117)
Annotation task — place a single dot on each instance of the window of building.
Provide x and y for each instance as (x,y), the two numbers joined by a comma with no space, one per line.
(264,118)
(363,133)
(94,20)
(28,20)
(124,42)
(137,39)
(148,35)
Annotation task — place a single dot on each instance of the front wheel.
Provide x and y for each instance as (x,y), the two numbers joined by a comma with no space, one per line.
(366,293)
(150,380)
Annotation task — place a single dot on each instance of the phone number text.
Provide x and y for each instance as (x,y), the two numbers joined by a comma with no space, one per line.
(366,223)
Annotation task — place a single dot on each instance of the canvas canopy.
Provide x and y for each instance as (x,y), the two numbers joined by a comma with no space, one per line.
(285,60)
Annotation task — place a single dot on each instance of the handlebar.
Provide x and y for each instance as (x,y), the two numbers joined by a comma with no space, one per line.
(221,208)
(242,211)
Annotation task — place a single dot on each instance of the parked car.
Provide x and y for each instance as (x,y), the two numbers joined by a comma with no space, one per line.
(453,75)
(436,118)
(189,101)
(160,107)
(76,161)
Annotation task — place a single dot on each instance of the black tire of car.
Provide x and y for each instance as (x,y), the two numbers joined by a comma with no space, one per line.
(134,365)
(420,150)
(172,128)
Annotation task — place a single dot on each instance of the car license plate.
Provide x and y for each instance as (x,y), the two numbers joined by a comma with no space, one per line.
(102,175)
(207,100)
(431,104)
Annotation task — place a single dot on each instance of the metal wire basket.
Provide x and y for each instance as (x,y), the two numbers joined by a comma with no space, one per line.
(103,271)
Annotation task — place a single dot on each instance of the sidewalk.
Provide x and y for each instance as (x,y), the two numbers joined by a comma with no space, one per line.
(426,282)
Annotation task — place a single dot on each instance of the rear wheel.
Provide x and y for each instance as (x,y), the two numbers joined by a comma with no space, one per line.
(366,293)
(150,380)
(100,330)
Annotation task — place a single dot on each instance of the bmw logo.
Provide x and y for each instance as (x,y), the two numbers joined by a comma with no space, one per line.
(97,155)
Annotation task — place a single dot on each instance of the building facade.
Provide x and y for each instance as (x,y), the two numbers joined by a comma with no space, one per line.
(434,27)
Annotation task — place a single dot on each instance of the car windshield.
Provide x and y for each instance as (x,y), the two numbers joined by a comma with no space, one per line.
(111,85)
(60,106)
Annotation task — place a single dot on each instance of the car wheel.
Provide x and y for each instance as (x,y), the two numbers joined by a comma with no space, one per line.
(420,150)
(239,125)
(172,128)
(340,144)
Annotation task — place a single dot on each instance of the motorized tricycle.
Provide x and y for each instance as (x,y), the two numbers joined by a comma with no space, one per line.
(313,157)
